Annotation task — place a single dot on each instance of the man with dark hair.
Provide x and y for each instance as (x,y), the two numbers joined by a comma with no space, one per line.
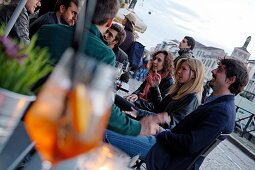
(21,26)
(115,35)
(177,148)
(65,13)
(186,46)
(59,37)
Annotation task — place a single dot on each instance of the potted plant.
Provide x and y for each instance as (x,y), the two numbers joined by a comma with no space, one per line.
(20,68)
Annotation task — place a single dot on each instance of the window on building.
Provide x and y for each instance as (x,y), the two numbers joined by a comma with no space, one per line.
(253,77)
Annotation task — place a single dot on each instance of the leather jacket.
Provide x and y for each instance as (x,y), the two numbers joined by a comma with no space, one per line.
(155,93)
(176,109)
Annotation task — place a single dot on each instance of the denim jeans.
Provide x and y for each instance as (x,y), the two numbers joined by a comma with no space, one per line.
(132,145)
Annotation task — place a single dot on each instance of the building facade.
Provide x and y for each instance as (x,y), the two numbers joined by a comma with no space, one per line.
(249,91)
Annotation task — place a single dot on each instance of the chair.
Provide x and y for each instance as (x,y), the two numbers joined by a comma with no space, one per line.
(139,164)
(208,149)
(203,153)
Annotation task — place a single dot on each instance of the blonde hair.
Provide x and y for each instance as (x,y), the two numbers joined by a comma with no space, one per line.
(194,85)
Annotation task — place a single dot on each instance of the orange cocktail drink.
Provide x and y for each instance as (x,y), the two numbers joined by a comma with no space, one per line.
(63,127)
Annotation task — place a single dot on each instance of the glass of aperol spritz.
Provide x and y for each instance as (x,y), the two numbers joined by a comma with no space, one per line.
(70,113)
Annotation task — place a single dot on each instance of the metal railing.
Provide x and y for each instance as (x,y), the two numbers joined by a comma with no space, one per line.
(245,120)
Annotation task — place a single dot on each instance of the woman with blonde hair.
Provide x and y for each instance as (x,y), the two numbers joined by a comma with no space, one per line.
(184,96)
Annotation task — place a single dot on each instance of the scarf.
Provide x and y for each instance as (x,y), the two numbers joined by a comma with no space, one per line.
(184,50)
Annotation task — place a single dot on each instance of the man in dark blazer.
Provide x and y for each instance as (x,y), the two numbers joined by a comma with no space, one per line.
(65,12)
(176,148)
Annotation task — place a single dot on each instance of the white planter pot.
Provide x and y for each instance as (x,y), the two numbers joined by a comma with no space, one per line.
(12,107)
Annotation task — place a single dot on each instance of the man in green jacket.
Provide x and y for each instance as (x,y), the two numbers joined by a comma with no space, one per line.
(59,37)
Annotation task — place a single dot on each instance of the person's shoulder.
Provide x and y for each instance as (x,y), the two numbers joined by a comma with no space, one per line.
(186,55)
(98,43)
(192,96)
(56,28)
(48,15)
(8,7)
(97,48)
(122,52)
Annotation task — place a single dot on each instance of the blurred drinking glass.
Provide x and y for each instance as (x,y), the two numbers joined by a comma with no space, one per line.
(65,123)
(119,68)
(126,66)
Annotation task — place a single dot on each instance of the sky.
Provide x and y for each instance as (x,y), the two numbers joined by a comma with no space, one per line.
(223,24)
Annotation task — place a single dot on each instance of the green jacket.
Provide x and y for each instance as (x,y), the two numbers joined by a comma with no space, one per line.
(121,123)
(58,38)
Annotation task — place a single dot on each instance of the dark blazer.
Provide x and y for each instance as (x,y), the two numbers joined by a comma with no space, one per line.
(176,149)
(158,92)
(48,18)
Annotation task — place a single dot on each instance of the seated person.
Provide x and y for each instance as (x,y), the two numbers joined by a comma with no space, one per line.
(162,66)
(115,35)
(177,148)
(65,13)
(21,26)
(185,95)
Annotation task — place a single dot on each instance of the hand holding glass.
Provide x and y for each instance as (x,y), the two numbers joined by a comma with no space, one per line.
(66,126)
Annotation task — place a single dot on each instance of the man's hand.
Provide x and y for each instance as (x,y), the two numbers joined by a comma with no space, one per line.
(132,113)
(131,98)
(164,117)
(150,124)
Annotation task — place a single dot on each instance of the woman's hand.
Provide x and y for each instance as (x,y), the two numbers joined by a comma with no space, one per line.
(131,98)
(155,80)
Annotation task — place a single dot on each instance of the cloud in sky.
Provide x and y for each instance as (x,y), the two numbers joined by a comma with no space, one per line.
(223,24)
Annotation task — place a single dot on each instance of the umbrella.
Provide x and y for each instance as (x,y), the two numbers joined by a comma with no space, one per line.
(140,26)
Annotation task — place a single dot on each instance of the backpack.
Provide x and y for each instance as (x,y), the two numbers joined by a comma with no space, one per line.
(135,53)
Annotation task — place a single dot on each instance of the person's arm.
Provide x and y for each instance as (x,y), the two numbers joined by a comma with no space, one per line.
(21,27)
(141,88)
(135,95)
(159,92)
(121,123)
(143,113)
(150,124)
(194,140)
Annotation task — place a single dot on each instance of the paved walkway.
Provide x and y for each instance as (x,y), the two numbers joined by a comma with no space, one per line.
(226,156)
